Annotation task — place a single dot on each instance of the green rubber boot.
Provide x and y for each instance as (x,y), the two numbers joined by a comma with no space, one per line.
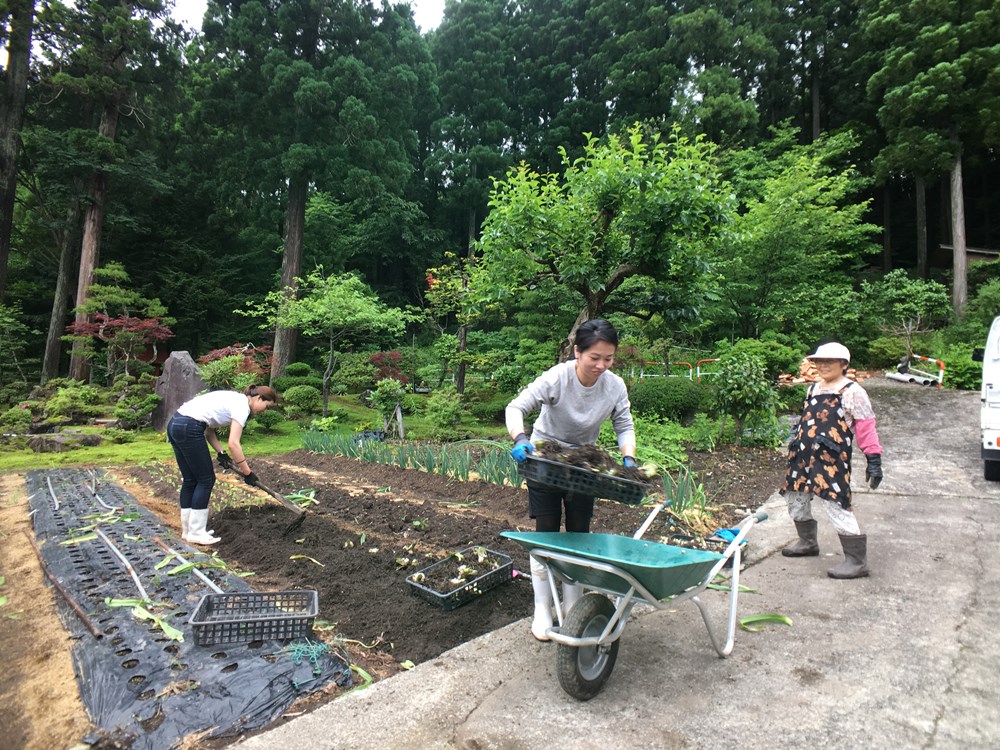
(855,563)
(807,544)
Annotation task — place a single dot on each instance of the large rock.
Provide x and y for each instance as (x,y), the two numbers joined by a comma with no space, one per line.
(179,382)
(61,442)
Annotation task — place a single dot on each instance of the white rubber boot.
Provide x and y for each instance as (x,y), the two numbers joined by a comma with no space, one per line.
(197,533)
(185,522)
(542,620)
(571,593)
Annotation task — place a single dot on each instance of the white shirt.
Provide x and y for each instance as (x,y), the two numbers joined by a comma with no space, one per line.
(217,408)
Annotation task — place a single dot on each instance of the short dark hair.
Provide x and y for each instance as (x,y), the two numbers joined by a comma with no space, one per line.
(592,331)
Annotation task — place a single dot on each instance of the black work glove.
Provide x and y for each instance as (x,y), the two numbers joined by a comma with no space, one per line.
(251,479)
(873,474)
(223,459)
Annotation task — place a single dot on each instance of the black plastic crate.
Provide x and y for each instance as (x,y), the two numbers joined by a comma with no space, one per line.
(582,481)
(469,590)
(254,616)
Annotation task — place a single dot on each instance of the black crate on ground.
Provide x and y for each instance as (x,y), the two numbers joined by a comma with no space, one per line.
(582,481)
(254,616)
(466,592)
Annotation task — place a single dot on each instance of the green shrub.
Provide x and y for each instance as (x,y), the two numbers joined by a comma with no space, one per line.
(789,398)
(17,419)
(334,419)
(119,436)
(285,382)
(885,351)
(743,389)
(268,420)
(13,393)
(136,400)
(678,399)
(388,392)
(298,370)
(302,399)
(228,373)
(412,404)
(444,412)
(960,371)
(658,441)
(776,358)
(509,378)
(74,403)
(490,409)
(355,372)
(702,433)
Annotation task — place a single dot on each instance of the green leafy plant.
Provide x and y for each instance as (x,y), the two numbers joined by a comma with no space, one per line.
(75,403)
(136,400)
(302,400)
(444,410)
(743,389)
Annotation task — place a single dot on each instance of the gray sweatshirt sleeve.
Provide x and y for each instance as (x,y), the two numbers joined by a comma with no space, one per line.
(571,414)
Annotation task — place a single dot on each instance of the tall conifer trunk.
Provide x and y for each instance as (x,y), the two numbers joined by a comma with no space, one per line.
(291,269)
(22,13)
(90,248)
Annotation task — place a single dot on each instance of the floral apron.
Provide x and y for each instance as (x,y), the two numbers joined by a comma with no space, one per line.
(819,456)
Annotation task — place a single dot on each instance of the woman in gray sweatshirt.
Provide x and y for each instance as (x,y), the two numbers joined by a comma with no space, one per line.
(573,399)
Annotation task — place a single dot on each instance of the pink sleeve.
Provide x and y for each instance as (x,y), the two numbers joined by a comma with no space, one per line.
(866,437)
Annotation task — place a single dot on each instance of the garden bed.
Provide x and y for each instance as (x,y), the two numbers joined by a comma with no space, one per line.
(374,525)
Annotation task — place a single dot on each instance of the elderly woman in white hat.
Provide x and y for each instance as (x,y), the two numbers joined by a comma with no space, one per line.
(837,415)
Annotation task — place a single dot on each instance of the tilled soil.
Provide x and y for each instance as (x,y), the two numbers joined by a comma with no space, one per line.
(373,526)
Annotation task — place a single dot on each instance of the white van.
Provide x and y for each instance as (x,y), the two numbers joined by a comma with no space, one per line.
(990,413)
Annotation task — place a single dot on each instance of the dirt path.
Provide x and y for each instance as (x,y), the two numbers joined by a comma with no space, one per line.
(37,712)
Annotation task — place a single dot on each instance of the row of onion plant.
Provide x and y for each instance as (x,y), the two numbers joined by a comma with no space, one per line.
(487,460)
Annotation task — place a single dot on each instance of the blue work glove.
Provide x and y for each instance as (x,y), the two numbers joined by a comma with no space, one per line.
(629,463)
(522,447)
(873,473)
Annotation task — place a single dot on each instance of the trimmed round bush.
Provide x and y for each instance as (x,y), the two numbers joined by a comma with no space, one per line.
(285,382)
(298,370)
(269,419)
(304,399)
(678,399)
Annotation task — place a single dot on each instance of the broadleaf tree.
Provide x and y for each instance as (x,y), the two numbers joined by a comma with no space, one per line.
(339,309)
(636,206)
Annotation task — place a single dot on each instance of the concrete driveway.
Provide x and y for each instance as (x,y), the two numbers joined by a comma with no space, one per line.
(908,658)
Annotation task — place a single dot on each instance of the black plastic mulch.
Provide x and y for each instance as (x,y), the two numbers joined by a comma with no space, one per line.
(134,680)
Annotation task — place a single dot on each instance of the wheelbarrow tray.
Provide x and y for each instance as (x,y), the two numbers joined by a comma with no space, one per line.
(662,569)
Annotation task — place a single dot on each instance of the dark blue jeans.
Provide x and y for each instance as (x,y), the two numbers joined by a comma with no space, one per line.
(187,438)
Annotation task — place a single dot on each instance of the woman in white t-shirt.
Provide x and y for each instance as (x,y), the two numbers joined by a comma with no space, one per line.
(188,430)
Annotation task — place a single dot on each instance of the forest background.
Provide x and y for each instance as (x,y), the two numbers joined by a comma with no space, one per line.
(700,172)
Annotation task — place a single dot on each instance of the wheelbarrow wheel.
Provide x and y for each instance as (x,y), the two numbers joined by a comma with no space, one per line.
(583,670)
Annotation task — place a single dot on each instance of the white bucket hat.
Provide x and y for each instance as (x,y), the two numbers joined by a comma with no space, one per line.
(831,351)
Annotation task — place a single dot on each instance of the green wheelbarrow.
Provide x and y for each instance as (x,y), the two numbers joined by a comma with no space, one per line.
(629,570)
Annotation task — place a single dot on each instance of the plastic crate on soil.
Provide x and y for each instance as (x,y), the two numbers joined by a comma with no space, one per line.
(466,592)
(582,481)
(254,616)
